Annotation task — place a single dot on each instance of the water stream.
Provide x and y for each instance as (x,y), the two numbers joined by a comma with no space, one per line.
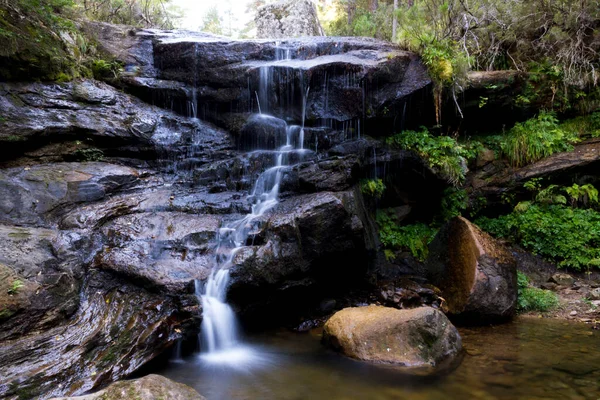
(219,331)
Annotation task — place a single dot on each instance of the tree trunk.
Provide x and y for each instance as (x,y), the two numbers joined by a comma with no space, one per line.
(395,21)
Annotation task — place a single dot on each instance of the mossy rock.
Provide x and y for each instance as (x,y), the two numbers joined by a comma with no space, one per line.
(150,387)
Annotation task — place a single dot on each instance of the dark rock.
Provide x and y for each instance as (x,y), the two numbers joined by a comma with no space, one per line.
(418,340)
(302,247)
(150,387)
(476,274)
(89,120)
(164,249)
(263,132)
(33,195)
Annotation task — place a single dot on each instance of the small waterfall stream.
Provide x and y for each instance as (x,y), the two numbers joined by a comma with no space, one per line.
(219,330)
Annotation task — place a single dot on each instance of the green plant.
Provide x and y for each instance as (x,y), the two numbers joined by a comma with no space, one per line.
(89,154)
(443,153)
(103,69)
(535,139)
(584,194)
(414,238)
(372,187)
(454,202)
(533,299)
(568,236)
(15,286)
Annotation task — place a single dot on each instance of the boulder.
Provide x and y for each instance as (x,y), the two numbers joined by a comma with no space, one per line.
(150,387)
(419,339)
(288,18)
(309,246)
(476,274)
(562,279)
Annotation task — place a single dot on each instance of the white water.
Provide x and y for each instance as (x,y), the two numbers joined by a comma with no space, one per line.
(220,342)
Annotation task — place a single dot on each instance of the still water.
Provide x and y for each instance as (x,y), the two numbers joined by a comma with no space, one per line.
(529,358)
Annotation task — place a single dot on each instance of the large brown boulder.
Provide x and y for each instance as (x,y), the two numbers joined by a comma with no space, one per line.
(476,274)
(418,339)
(150,387)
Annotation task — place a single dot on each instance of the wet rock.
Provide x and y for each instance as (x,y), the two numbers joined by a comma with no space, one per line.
(348,78)
(334,174)
(406,293)
(288,18)
(42,271)
(305,245)
(167,250)
(476,274)
(150,387)
(562,279)
(89,120)
(419,339)
(34,195)
(263,132)
(116,329)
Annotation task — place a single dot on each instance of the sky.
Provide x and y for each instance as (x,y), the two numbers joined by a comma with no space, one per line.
(194,11)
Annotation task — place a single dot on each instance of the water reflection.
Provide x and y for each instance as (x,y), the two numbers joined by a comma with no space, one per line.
(527,359)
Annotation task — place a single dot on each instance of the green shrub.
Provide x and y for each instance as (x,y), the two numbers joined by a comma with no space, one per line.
(535,139)
(454,202)
(584,126)
(102,69)
(585,194)
(372,187)
(89,154)
(414,238)
(568,236)
(533,299)
(443,154)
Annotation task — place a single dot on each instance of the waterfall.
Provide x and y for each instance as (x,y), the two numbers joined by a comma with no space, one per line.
(219,330)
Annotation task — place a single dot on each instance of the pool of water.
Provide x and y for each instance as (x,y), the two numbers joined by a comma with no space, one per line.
(527,359)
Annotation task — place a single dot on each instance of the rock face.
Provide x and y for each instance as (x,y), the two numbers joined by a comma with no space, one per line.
(109,206)
(476,274)
(418,339)
(150,387)
(286,19)
(219,79)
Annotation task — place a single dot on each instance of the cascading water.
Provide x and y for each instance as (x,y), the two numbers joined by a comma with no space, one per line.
(220,343)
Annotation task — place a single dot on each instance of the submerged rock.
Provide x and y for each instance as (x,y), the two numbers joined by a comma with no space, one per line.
(288,18)
(150,387)
(476,274)
(418,339)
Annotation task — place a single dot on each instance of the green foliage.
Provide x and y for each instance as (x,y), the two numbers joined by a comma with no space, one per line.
(362,21)
(570,237)
(212,22)
(584,194)
(533,299)
(535,139)
(15,286)
(454,202)
(103,69)
(414,238)
(372,187)
(443,153)
(140,13)
(583,126)
(89,154)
